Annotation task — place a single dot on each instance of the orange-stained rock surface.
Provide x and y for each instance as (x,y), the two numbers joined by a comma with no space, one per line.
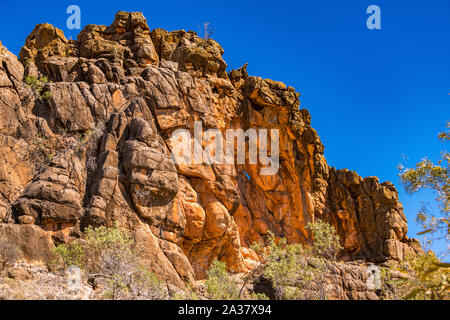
(98,151)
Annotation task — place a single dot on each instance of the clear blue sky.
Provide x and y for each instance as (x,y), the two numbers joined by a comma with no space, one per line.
(374,95)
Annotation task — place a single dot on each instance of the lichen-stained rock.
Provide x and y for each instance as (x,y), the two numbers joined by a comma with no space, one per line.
(69,108)
(55,195)
(44,42)
(98,151)
(12,70)
(150,172)
(127,38)
(15,171)
(269,93)
(162,88)
(352,280)
(35,243)
(237,77)
(197,56)
(11,76)
(371,218)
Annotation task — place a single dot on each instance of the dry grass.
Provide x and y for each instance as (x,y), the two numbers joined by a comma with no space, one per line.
(9,253)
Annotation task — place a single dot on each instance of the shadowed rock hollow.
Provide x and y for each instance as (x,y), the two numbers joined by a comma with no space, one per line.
(98,151)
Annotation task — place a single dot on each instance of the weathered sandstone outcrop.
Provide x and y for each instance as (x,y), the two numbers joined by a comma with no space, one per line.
(97,151)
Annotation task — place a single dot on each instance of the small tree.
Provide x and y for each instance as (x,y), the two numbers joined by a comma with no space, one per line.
(435,177)
(298,272)
(326,245)
(430,276)
(110,254)
(326,242)
(68,255)
(37,85)
(281,266)
(430,279)
(220,285)
(427,279)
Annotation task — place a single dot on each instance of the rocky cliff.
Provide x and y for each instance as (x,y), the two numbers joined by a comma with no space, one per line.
(96,150)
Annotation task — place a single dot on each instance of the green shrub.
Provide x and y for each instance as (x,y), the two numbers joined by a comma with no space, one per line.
(37,85)
(258,296)
(71,254)
(298,272)
(326,242)
(281,266)
(220,285)
(109,255)
(429,278)
(283,263)
(109,248)
(188,294)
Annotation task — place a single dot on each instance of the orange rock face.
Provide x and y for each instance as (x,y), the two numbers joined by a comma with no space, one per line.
(98,150)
